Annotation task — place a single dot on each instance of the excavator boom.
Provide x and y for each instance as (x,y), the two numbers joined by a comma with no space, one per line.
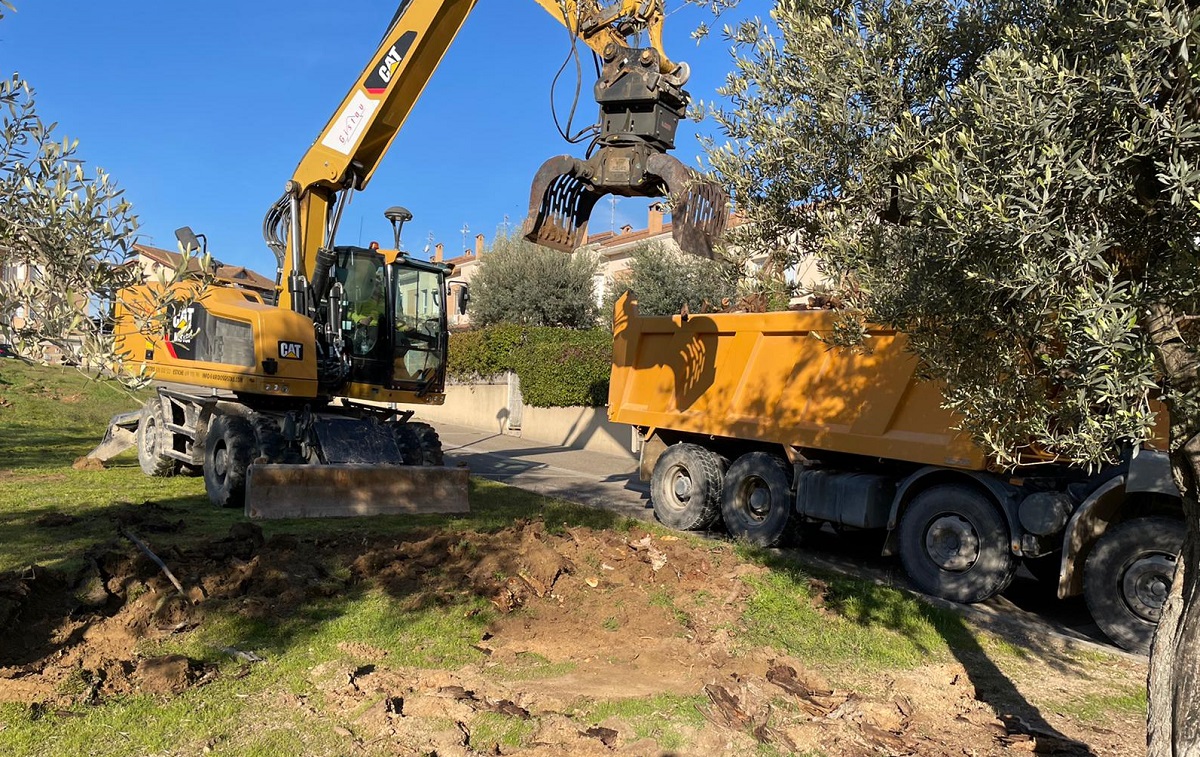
(641,98)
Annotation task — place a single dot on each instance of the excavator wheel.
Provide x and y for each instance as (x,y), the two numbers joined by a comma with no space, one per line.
(229,449)
(429,444)
(152,439)
(419,443)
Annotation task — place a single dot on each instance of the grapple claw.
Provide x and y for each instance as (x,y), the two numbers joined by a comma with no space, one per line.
(639,111)
(698,206)
(560,203)
(566,189)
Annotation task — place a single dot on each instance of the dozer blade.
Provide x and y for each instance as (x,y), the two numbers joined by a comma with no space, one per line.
(347,490)
(566,189)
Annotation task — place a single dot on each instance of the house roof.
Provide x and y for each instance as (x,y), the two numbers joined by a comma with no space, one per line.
(228,274)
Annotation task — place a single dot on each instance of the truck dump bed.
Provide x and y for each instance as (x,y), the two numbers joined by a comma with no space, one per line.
(765,376)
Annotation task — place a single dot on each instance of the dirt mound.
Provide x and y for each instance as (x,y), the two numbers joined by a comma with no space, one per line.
(607,615)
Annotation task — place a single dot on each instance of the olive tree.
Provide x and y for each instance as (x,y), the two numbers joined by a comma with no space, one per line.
(520,282)
(664,280)
(1017,186)
(65,233)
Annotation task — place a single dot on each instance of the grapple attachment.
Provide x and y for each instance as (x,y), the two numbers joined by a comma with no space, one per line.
(640,108)
(566,189)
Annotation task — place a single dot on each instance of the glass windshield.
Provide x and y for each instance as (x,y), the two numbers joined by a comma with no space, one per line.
(364,301)
(418,300)
(418,309)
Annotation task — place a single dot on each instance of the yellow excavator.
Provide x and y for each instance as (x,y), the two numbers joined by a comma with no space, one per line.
(305,401)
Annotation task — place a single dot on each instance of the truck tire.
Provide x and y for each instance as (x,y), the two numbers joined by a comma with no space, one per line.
(229,448)
(152,439)
(954,544)
(1127,575)
(685,487)
(756,499)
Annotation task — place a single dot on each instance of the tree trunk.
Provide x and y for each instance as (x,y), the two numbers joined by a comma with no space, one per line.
(1173,716)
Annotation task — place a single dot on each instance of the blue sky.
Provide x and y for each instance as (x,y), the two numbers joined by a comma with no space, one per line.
(201,111)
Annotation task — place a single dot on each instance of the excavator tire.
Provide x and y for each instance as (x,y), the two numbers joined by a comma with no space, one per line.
(419,443)
(229,449)
(152,439)
(429,444)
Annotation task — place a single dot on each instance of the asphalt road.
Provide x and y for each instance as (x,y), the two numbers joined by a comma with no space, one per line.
(1026,609)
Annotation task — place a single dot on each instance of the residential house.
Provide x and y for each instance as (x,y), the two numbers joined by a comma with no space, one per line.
(615,249)
(157,263)
(13,272)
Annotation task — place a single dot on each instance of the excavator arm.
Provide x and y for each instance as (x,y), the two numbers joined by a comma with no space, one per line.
(641,99)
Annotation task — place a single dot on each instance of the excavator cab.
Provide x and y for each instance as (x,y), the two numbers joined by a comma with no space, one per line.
(393,319)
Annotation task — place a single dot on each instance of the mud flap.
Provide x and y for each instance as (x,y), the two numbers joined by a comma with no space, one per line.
(566,189)
(347,490)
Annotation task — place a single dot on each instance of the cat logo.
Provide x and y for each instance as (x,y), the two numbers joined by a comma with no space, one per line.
(181,325)
(291,350)
(381,75)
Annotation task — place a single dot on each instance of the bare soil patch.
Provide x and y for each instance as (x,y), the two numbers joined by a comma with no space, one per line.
(581,616)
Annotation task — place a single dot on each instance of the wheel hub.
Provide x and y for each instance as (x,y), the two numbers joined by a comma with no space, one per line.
(221,462)
(681,486)
(759,500)
(1146,583)
(150,438)
(951,542)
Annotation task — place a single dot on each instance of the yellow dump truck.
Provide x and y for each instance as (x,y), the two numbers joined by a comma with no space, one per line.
(751,419)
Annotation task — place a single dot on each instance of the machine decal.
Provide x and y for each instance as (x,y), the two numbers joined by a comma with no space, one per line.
(381,75)
(193,333)
(291,350)
(181,325)
(349,125)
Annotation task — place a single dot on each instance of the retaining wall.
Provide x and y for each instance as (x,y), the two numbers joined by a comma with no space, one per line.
(498,408)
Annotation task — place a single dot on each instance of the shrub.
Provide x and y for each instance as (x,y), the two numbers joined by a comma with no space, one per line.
(520,282)
(663,280)
(557,367)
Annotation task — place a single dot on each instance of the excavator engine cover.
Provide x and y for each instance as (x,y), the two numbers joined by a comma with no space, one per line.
(640,108)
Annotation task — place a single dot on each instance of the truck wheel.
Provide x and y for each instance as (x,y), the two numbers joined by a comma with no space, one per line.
(954,544)
(228,450)
(1127,575)
(152,439)
(685,487)
(756,500)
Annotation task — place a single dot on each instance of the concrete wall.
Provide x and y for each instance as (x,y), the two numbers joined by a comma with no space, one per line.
(487,406)
(483,406)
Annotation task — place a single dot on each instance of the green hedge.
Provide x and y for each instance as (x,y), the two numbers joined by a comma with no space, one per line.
(557,367)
